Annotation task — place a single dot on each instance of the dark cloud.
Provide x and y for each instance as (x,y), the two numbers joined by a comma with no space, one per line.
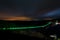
(29,8)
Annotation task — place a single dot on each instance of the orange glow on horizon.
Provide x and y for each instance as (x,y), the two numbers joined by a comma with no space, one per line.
(17,18)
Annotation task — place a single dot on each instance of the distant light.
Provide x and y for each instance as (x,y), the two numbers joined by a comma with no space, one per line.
(52,35)
(57,23)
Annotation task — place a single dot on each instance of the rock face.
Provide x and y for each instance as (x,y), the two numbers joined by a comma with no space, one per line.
(33,34)
(30,33)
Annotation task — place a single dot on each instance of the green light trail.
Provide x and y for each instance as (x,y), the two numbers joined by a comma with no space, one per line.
(29,27)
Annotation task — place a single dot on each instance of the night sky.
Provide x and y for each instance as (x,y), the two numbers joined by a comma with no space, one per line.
(26,8)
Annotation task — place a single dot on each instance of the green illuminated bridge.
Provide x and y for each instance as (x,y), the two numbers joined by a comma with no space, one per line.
(11,26)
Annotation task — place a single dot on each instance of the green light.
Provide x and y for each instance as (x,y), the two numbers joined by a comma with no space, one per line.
(29,27)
